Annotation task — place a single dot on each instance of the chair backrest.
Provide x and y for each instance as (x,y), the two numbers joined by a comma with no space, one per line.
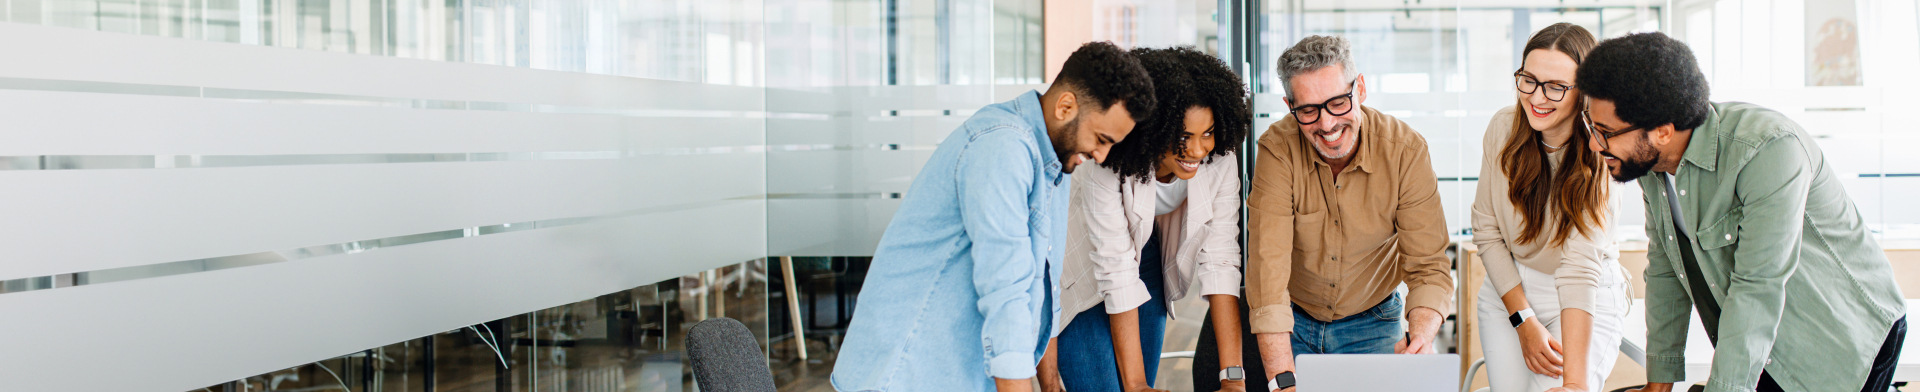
(727,359)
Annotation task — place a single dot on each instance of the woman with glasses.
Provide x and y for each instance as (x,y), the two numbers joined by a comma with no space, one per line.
(1156,221)
(1555,297)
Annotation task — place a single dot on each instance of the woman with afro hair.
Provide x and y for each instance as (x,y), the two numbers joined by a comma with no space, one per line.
(1156,221)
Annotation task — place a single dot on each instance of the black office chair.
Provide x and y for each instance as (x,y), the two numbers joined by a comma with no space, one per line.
(726,358)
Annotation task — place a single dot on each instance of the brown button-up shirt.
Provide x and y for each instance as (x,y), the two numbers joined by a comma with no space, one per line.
(1337,247)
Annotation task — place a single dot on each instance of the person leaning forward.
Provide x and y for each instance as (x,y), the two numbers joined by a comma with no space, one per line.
(1343,209)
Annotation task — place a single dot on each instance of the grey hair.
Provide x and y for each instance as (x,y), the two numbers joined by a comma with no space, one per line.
(1313,53)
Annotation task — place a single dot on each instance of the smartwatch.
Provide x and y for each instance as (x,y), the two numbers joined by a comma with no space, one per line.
(1233,373)
(1520,317)
(1280,381)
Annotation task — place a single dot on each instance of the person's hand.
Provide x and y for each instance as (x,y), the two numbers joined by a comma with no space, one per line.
(1413,344)
(1540,350)
(1655,387)
(1289,389)
(1422,324)
(1233,386)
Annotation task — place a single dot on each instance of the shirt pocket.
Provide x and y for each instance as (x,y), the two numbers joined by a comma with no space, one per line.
(1309,233)
(1717,243)
(1717,238)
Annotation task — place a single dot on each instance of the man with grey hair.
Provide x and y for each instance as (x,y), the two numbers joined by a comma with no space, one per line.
(1344,208)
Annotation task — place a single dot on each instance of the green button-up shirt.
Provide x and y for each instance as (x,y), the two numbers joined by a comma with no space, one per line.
(1805,292)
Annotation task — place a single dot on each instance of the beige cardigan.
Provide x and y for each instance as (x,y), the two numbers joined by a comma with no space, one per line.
(1577,267)
(1109,221)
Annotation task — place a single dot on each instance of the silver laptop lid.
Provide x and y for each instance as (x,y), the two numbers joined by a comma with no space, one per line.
(1377,372)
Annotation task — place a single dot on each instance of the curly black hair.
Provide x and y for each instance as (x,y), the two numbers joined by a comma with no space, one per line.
(1103,75)
(1183,78)
(1652,80)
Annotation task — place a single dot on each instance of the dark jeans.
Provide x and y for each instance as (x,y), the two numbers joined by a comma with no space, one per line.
(1880,377)
(1371,332)
(1087,360)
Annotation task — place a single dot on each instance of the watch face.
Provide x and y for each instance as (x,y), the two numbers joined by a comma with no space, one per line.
(1234,373)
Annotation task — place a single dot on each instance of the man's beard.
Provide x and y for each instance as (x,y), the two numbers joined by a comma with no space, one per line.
(1319,146)
(1636,164)
(1064,149)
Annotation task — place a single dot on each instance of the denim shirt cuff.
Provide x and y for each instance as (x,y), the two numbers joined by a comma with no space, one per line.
(1717,385)
(1666,368)
(1012,366)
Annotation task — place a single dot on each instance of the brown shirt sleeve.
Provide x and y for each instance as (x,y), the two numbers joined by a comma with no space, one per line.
(1270,210)
(1421,225)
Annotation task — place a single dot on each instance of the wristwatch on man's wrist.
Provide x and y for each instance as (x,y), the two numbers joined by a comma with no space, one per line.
(1520,317)
(1233,373)
(1280,381)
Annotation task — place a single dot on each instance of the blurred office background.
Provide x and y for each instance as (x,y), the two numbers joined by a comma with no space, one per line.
(543,195)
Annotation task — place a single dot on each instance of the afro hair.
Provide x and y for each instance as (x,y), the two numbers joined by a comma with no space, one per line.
(1652,80)
(1183,78)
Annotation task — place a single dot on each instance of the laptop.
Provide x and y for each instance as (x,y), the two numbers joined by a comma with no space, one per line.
(1377,372)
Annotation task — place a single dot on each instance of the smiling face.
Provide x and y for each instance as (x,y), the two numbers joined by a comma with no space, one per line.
(1554,71)
(1196,141)
(1629,155)
(1334,137)
(1091,134)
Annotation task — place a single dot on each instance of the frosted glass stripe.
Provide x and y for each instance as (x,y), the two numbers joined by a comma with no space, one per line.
(137,335)
(292,97)
(263,258)
(153,216)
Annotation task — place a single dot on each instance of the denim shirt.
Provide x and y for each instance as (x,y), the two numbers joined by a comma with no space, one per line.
(1804,290)
(961,289)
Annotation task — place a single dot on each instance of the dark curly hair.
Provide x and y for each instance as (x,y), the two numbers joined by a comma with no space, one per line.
(1183,78)
(1652,80)
(1103,75)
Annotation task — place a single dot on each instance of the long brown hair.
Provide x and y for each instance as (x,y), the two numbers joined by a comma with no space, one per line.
(1581,190)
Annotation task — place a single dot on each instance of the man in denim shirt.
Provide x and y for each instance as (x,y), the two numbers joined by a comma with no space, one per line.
(961,294)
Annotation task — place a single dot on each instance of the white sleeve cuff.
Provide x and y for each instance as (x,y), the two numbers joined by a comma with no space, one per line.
(1126,297)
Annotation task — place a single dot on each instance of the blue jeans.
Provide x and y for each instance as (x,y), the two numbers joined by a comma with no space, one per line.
(1374,331)
(1087,361)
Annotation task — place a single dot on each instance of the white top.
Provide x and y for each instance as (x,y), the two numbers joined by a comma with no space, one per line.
(1169,195)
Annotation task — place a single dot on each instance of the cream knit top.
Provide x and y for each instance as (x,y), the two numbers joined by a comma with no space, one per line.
(1577,266)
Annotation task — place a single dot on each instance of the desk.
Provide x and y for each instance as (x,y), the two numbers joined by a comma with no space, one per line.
(1700,351)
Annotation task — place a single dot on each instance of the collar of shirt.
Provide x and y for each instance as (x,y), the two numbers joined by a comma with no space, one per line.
(1362,158)
(1029,108)
(1703,148)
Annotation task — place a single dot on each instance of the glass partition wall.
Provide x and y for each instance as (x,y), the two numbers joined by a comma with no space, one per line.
(590,178)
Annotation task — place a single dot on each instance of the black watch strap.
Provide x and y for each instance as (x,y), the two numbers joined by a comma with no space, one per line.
(1281,381)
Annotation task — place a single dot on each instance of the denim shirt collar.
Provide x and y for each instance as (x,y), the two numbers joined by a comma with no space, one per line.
(1029,108)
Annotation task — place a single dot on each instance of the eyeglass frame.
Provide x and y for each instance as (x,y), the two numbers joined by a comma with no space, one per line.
(1586,119)
(1321,107)
(1537,85)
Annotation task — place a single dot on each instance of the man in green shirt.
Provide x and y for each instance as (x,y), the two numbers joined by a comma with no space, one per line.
(1748,224)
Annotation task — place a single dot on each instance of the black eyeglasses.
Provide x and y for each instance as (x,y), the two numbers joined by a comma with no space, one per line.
(1527,85)
(1336,106)
(1586,119)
